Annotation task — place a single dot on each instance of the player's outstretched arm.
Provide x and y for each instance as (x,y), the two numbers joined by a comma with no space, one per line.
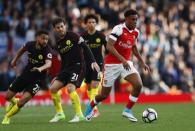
(19,53)
(46,66)
(90,55)
(139,57)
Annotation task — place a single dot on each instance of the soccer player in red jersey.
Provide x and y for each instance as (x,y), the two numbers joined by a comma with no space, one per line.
(121,43)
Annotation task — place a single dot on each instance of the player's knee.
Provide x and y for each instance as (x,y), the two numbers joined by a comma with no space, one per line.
(7,98)
(137,89)
(20,104)
(70,88)
(53,90)
(94,84)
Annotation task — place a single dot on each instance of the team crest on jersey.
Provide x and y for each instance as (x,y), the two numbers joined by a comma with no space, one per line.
(66,48)
(40,57)
(98,40)
(68,42)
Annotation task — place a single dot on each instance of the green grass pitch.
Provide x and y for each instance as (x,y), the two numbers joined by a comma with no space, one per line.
(171,117)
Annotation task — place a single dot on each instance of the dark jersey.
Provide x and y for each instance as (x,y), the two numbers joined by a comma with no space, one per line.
(70,49)
(30,81)
(95,43)
(36,56)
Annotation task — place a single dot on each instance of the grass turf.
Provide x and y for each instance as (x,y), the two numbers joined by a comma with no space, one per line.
(171,117)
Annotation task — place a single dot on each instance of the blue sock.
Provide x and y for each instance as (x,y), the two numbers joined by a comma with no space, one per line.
(127,110)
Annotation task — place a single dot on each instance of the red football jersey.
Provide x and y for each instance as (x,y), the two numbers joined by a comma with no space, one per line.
(124,40)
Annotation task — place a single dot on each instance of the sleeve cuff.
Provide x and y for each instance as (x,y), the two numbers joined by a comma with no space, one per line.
(112,37)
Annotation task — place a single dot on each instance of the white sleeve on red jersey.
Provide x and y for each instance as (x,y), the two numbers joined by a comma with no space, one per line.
(116,32)
(138,33)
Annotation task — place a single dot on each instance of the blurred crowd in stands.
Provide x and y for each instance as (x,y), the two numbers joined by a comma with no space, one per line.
(166,41)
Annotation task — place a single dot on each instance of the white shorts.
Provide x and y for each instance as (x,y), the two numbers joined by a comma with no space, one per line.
(113,71)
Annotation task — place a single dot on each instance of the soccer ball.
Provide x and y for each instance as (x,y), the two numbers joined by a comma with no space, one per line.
(149,115)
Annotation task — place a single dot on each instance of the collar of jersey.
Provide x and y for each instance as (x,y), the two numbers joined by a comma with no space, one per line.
(124,25)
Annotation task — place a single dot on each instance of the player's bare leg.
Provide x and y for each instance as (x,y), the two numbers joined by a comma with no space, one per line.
(75,103)
(105,91)
(16,108)
(136,82)
(55,87)
(94,88)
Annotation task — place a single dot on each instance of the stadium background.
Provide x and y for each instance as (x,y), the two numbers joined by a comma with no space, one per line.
(166,42)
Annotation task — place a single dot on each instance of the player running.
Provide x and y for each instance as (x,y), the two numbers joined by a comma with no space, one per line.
(122,41)
(39,60)
(70,47)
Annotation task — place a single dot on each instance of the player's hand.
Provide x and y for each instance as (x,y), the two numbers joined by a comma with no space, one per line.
(35,69)
(99,75)
(95,66)
(126,66)
(13,63)
(146,67)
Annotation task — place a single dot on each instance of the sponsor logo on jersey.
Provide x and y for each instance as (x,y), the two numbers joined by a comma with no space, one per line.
(33,61)
(94,45)
(125,45)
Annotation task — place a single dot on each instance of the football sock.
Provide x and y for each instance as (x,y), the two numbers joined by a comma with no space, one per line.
(13,111)
(94,92)
(89,94)
(76,103)
(57,102)
(13,100)
(132,100)
(93,103)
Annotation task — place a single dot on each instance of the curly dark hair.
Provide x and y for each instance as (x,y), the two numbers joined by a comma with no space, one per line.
(91,16)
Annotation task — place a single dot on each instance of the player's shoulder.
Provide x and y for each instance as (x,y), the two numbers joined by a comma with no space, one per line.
(137,32)
(75,37)
(119,26)
(48,51)
(118,29)
(100,33)
(84,34)
(72,34)
(48,47)
(29,44)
